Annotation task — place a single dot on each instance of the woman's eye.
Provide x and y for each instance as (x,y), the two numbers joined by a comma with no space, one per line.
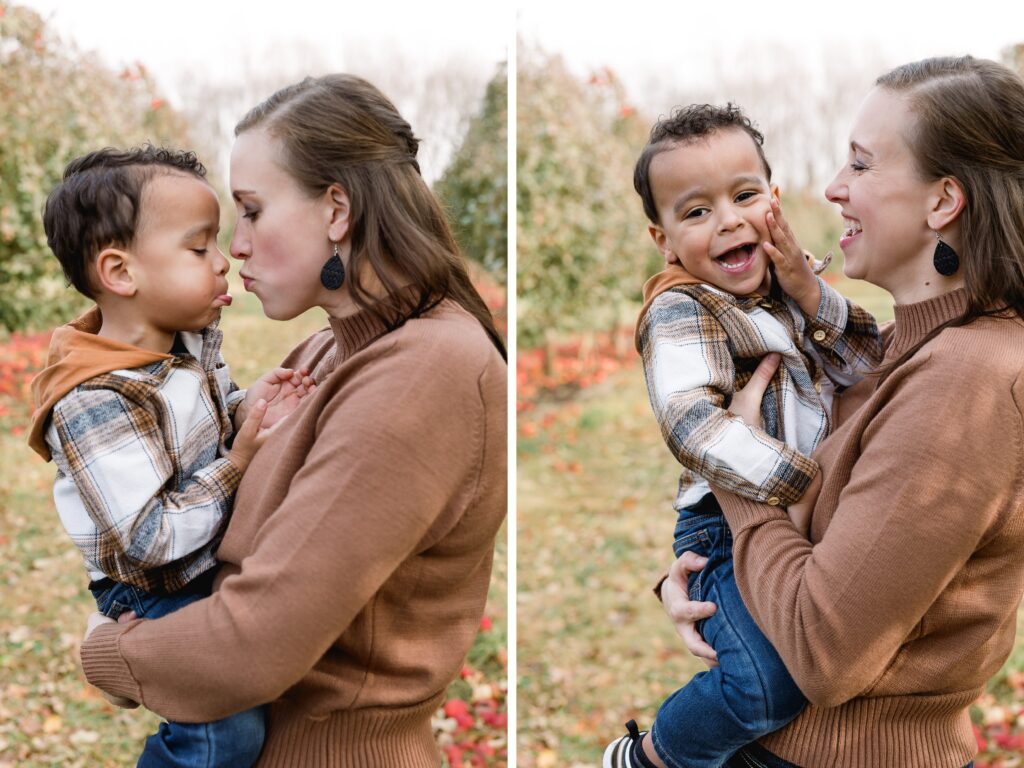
(856,166)
(251,215)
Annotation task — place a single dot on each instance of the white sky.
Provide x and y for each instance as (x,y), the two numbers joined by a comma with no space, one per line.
(217,37)
(639,39)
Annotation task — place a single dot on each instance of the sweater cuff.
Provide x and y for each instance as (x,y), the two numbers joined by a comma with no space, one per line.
(103,664)
(742,513)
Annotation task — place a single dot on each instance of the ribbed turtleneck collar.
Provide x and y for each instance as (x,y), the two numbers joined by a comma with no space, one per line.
(915,321)
(354,332)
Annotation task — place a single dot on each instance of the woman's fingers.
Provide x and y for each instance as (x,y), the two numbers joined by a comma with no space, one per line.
(746,403)
(684,612)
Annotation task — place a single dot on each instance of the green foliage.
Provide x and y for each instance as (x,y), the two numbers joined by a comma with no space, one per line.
(474,187)
(583,249)
(56,104)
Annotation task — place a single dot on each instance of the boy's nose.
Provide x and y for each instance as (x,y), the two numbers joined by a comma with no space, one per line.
(729,220)
(220,263)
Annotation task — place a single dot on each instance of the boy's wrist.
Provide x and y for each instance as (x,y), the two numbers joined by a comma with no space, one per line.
(810,299)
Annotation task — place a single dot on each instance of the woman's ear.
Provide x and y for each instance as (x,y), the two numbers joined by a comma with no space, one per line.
(114,272)
(946,203)
(338,210)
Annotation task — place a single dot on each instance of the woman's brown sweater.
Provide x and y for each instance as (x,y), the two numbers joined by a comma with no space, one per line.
(903,604)
(357,561)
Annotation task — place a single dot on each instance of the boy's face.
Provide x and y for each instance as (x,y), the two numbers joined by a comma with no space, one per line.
(711,195)
(179,270)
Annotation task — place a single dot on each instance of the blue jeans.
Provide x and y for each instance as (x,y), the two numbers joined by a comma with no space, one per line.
(235,741)
(749,693)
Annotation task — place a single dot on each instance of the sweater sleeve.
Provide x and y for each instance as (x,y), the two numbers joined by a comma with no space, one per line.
(390,470)
(690,379)
(924,491)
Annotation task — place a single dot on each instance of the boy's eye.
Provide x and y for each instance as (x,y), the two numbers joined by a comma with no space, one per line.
(200,251)
(745,196)
(694,213)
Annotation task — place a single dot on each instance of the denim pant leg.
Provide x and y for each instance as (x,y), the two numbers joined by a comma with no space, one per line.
(233,742)
(750,693)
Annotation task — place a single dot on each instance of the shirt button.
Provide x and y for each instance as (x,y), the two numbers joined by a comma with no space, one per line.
(817,387)
(773,501)
(819,335)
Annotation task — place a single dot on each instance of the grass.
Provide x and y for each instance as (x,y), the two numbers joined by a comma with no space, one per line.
(49,716)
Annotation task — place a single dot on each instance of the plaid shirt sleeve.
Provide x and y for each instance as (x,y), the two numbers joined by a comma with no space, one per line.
(690,377)
(111,447)
(845,334)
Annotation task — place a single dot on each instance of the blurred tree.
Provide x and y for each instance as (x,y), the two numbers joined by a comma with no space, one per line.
(474,187)
(56,104)
(583,251)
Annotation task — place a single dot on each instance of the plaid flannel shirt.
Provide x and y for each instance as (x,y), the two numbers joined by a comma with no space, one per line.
(142,487)
(700,345)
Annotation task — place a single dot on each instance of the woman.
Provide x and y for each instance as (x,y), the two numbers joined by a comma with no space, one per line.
(358,557)
(903,603)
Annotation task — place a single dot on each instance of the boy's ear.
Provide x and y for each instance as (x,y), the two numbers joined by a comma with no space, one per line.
(114,272)
(661,243)
(338,210)
(776,192)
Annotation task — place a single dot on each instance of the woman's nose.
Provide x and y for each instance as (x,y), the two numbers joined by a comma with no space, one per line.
(239,246)
(836,190)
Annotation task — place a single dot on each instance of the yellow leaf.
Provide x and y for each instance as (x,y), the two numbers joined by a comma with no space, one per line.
(547,759)
(52,724)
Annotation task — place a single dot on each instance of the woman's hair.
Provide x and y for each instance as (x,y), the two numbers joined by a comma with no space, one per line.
(339,129)
(970,126)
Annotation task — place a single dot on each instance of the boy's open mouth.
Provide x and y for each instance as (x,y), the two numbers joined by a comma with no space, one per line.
(737,259)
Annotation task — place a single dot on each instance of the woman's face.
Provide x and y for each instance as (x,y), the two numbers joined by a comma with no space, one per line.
(282,235)
(884,201)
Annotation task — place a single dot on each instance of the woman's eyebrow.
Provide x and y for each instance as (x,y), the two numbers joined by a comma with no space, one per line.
(860,149)
(237,193)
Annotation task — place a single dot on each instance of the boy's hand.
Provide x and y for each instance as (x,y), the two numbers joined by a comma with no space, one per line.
(282,388)
(791,268)
(250,437)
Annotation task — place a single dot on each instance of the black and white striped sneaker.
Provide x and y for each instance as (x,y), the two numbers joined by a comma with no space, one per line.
(619,753)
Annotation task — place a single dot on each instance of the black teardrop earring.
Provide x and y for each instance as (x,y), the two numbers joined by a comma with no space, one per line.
(333,273)
(946,260)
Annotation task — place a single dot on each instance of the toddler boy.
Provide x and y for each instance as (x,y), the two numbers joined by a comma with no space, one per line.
(137,409)
(737,288)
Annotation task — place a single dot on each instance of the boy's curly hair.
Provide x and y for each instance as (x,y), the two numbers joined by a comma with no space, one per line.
(97,203)
(687,124)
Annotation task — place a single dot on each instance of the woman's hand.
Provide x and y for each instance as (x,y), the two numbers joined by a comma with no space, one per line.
(746,403)
(684,612)
(97,619)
